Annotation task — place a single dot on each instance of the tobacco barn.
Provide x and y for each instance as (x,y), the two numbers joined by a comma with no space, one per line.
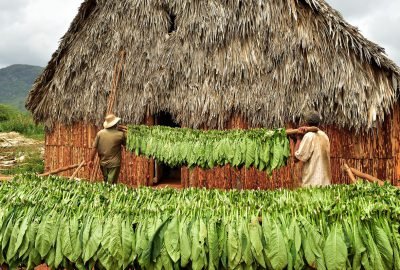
(219,65)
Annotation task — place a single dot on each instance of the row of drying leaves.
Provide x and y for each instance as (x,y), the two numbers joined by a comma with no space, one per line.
(264,149)
(76,224)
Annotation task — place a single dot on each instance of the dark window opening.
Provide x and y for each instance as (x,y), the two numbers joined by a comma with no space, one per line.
(164,174)
(165,119)
(172,22)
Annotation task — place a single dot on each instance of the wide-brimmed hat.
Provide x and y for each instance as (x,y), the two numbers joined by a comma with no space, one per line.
(110,121)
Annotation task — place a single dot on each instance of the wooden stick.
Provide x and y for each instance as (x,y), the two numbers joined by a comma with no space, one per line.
(59,170)
(110,104)
(288,131)
(116,78)
(367,177)
(77,170)
(296,131)
(5,178)
(350,173)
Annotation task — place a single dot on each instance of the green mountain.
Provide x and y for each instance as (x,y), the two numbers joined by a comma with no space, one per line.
(15,83)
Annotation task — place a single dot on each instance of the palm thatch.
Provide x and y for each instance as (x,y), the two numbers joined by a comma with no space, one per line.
(265,60)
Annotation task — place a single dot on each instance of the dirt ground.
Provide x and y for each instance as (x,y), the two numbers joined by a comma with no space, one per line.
(17,150)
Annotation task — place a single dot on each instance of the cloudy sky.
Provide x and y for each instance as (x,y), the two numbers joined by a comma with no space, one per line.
(30,29)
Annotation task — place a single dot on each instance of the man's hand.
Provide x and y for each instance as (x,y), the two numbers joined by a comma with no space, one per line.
(302,130)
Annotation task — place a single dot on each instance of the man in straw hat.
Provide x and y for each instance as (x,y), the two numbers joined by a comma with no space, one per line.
(108,144)
(313,149)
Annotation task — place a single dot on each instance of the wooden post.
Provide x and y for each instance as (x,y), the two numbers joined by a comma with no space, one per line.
(150,121)
(59,170)
(77,170)
(350,173)
(367,177)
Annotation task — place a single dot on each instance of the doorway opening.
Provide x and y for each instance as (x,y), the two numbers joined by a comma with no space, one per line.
(164,174)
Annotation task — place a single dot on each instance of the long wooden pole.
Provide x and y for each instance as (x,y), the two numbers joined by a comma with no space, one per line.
(63,169)
(367,177)
(110,104)
(83,163)
(349,173)
(288,131)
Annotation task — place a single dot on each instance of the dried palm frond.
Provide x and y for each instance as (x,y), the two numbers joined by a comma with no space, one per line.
(265,60)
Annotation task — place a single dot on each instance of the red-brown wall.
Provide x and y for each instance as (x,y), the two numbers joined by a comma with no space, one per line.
(376,153)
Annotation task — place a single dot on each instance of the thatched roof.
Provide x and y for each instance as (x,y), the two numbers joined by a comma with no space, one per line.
(267,60)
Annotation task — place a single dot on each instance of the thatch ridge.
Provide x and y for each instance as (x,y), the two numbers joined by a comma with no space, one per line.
(266,60)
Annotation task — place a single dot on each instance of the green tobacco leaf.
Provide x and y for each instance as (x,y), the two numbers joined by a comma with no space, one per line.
(196,246)
(127,237)
(171,239)
(313,223)
(212,243)
(34,259)
(66,245)
(154,245)
(93,243)
(12,249)
(58,250)
(6,233)
(250,153)
(21,234)
(256,243)
(165,259)
(373,253)
(359,247)
(335,250)
(44,241)
(76,239)
(86,231)
(276,248)
(185,242)
(211,148)
(277,153)
(246,244)
(115,243)
(385,248)
(234,246)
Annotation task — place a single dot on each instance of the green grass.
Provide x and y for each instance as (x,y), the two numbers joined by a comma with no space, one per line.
(13,120)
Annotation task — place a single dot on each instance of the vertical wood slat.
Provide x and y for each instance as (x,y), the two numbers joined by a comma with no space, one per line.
(150,121)
(395,141)
(376,153)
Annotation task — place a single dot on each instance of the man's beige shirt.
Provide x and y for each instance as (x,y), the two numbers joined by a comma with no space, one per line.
(314,151)
(108,143)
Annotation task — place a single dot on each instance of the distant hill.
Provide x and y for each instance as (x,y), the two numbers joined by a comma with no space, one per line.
(15,83)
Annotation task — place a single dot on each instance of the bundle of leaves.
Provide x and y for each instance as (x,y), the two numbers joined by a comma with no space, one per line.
(261,148)
(70,224)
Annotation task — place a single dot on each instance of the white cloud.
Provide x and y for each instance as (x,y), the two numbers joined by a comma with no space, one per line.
(377,21)
(31,29)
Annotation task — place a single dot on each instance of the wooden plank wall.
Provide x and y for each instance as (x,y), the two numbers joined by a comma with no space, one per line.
(227,177)
(395,141)
(376,153)
(70,145)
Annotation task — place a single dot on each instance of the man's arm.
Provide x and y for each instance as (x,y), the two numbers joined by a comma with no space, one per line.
(93,152)
(92,157)
(296,148)
(302,152)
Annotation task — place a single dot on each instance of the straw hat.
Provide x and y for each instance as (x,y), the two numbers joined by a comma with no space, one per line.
(110,121)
